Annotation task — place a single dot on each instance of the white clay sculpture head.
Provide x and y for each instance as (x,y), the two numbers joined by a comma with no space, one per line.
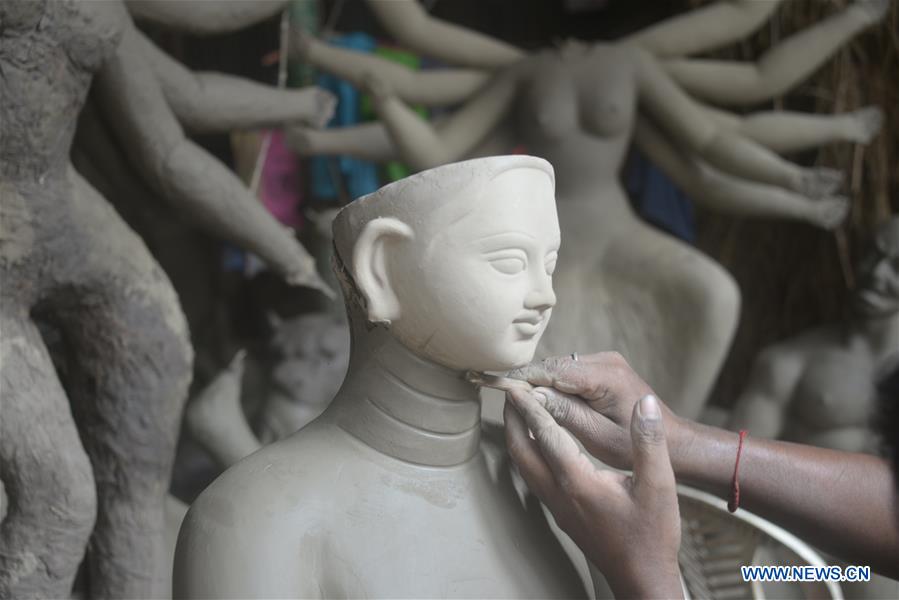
(457,261)
(877,293)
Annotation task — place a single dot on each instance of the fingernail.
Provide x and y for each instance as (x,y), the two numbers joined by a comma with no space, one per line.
(540,397)
(565,386)
(649,407)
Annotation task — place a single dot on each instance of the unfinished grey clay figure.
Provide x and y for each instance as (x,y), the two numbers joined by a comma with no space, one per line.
(391,492)
(819,387)
(85,454)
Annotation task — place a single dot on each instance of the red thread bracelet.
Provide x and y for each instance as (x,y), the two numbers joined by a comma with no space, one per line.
(734,503)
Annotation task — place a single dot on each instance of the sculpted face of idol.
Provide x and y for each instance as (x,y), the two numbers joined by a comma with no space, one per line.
(476,280)
(877,294)
(464,279)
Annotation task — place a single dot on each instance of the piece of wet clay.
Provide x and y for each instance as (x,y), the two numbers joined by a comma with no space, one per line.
(506,384)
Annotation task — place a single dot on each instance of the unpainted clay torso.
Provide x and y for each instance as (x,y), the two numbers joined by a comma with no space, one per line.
(390,493)
(577,110)
(833,402)
(50,50)
(621,284)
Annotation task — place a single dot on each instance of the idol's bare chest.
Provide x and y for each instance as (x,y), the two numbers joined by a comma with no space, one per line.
(459,535)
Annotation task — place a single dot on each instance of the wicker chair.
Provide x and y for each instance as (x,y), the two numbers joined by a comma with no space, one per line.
(715,543)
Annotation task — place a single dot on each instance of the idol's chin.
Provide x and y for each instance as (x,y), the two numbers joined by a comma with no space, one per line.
(519,354)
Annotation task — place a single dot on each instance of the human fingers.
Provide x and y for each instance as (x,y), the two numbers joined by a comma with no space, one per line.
(569,467)
(566,369)
(526,455)
(652,466)
(600,435)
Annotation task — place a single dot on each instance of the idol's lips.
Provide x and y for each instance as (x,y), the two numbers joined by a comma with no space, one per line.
(529,325)
(530,319)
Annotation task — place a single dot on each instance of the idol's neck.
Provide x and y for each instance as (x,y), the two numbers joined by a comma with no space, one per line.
(407,407)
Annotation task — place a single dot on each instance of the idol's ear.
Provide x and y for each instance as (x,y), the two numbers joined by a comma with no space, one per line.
(370,271)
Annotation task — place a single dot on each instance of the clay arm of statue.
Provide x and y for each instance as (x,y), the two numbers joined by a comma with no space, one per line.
(780,68)
(704,29)
(421,145)
(786,131)
(181,170)
(371,141)
(226,548)
(719,191)
(368,141)
(433,87)
(414,28)
(203,17)
(841,502)
(685,124)
(213,102)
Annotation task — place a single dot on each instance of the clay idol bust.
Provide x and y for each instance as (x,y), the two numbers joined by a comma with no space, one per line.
(392,492)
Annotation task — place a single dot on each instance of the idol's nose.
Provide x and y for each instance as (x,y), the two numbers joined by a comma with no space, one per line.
(541,297)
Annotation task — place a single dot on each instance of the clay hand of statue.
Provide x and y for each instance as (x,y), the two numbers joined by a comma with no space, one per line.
(866,124)
(628,526)
(378,87)
(594,397)
(870,11)
(301,270)
(816,182)
(830,212)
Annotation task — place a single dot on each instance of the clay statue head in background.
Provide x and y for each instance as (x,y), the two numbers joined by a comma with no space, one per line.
(877,292)
(456,261)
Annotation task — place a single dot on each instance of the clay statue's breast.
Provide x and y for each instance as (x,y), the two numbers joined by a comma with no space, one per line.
(590,92)
(835,391)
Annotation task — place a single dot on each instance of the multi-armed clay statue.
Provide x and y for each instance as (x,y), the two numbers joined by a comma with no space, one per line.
(819,387)
(89,464)
(624,285)
(391,492)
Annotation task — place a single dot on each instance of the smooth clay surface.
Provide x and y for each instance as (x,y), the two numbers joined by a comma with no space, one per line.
(393,491)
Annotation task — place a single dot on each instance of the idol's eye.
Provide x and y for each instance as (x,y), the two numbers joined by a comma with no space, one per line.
(509,261)
(551,263)
(509,265)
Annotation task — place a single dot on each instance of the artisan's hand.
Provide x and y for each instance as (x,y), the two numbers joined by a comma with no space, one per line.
(628,526)
(594,398)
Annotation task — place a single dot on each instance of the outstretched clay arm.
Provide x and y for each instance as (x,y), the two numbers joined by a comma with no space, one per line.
(780,68)
(686,125)
(184,172)
(213,102)
(368,141)
(407,21)
(371,141)
(435,87)
(421,145)
(705,28)
(728,194)
(785,131)
(204,17)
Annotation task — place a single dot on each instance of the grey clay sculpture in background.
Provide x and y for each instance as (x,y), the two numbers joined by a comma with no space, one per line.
(85,457)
